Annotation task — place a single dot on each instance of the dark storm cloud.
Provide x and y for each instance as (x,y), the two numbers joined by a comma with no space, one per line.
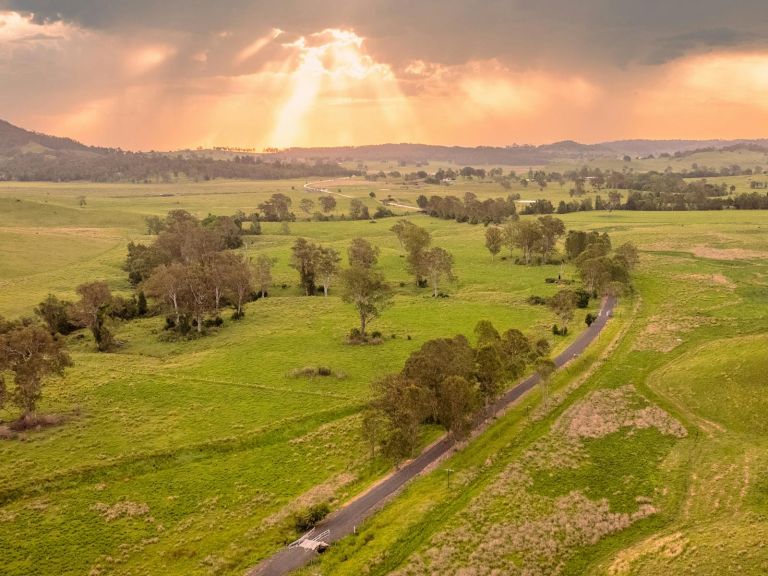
(520,32)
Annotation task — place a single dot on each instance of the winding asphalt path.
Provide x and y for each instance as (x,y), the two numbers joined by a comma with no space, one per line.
(344,520)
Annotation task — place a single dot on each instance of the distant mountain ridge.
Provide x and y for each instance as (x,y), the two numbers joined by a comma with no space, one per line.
(18,142)
(15,140)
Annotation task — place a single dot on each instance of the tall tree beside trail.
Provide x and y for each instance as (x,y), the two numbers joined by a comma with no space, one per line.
(563,305)
(31,354)
(327,266)
(494,240)
(367,291)
(92,309)
(545,368)
(304,260)
(263,273)
(362,253)
(628,253)
(403,405)
(437,264)
(457,401)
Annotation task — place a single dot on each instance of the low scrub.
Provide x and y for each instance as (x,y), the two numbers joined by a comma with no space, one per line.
(315,371)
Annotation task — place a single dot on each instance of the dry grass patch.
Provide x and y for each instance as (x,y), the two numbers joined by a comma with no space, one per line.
(510,528)
(709,280)
(124,509)
(663,333)
(727,253)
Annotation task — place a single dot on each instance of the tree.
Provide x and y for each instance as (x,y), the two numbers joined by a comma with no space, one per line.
(551,230)
(197,299)
(304,260)
(327,203)
(154,225)
(415,240)
(614,200)
(374,428)
(437,359)
(277,208)
(628,253)
(327,266)
(457,401)
(31,354)
(525,235)
(263,273)
(489,370)
(494,240)
(358,210)
(563,304)
(437,264)
(238,282)
(366,289)
(403,406)
(362,253)
(545,368)
(307,205)
(56,315)
(486,333)
(167,285)
(95,298)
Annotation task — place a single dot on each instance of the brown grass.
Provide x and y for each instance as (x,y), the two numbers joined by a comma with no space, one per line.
(123,509)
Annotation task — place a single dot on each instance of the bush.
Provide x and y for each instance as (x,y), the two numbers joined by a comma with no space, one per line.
(550,280)
(555,330)
(536,300)
(308,518)
(589,319)
(582,298)
(375,334)
(355,335)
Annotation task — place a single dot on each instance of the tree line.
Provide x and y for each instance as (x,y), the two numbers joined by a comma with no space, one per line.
(141,167)
(447,382)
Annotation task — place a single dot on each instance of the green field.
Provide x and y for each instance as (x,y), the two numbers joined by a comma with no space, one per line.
(189,457)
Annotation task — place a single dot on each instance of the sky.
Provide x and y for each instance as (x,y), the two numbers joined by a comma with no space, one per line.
(154,75)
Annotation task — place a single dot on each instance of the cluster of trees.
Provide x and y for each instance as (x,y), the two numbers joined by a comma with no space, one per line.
(446,382)
(94,310)
(429,266)
(470,209)
(362,283)
(190,273)
(116,165)
(536,239)
(29,355)
(603,270)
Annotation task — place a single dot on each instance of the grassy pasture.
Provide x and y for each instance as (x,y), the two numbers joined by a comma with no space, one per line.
(189,457)
(695,349)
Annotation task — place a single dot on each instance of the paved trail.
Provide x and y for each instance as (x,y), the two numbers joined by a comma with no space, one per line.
(344,520)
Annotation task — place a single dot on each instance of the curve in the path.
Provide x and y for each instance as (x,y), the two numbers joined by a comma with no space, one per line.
(317,187)
(344,520)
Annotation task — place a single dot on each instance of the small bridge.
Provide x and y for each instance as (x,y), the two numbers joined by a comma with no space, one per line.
(310,541)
